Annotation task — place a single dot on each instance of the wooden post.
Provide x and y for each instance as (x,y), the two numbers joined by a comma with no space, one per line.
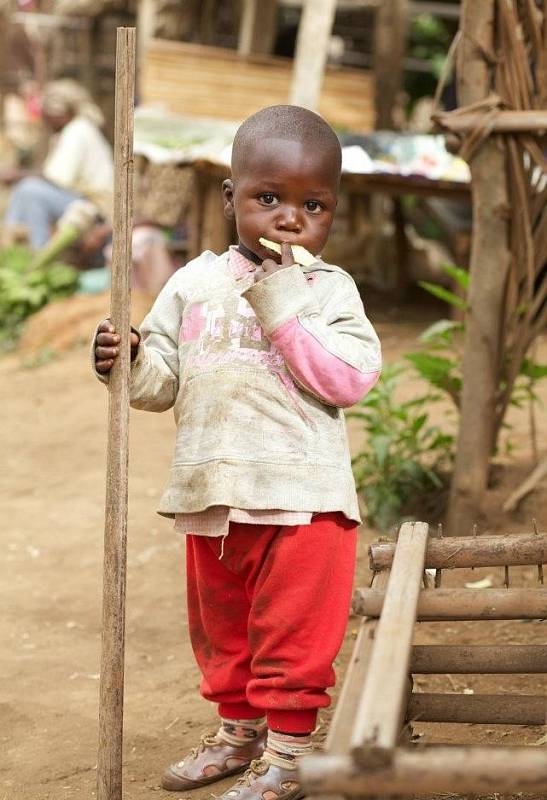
(490,260)
(109,767)
(381,706)
(146,22)
(4,27)
(389,49)
(311,52)
(258,27)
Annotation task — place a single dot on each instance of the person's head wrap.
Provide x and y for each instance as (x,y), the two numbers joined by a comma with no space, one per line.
(66,96)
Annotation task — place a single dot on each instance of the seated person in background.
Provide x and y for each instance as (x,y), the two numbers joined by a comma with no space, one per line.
(79,164)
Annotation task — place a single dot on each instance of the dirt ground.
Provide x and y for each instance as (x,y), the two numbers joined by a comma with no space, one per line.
(52,493)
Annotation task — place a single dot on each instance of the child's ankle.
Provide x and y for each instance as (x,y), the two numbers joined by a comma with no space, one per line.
(239,732)
(286,749)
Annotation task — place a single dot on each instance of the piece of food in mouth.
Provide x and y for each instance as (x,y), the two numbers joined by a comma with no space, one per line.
(300,254)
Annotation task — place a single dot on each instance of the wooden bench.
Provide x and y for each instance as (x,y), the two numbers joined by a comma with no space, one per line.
(365,755)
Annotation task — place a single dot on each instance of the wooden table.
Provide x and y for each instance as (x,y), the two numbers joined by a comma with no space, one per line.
(209,230)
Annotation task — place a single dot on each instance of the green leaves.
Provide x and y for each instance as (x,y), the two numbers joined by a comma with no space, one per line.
(460,277)
(444,294)
(439,371)
(441,332)
(402,454)
(24,290)
(532,370)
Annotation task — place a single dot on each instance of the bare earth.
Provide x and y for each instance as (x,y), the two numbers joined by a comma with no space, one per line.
(52,494)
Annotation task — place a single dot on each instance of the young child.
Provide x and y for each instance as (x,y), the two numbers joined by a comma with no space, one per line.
(258,356)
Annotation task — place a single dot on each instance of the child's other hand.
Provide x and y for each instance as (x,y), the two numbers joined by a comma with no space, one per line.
(270,266)
(107,346)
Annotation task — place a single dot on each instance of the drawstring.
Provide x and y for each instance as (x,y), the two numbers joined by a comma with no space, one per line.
(222,547)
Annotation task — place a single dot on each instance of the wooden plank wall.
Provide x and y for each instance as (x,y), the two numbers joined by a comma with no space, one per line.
(216,82)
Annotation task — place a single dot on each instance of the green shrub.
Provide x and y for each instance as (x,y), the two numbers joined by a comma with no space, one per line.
(403,455)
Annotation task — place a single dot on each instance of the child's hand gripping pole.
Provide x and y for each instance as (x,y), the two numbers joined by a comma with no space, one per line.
(109,766)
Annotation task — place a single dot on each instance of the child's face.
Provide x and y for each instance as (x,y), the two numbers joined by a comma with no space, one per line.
(286,193)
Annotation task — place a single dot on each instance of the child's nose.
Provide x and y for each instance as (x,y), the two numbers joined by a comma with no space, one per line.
(289,220)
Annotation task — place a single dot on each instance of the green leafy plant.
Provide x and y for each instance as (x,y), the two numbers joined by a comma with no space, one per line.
(403,456)
(25,289)
(439,362)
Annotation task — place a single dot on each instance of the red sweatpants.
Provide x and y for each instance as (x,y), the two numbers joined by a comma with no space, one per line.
(268,619)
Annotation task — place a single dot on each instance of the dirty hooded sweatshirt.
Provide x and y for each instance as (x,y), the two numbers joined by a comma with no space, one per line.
(257,375)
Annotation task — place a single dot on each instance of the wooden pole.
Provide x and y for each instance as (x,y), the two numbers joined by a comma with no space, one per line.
(109,767)
(460,770)
(489,266)
(436,605)
(146,24)
(514,549)
(502,659)
(505,121)
(488,709)
(311,52)
(258,27)
(382,705)
(390,30)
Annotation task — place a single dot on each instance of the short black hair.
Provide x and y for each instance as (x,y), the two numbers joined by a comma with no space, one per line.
(285,122)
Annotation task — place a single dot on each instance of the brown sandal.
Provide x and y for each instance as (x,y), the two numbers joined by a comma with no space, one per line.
(212,760)
(265,781)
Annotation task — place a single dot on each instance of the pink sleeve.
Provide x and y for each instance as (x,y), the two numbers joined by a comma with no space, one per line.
(322,373)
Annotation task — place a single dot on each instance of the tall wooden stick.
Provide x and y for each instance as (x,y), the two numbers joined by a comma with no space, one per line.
(109,768)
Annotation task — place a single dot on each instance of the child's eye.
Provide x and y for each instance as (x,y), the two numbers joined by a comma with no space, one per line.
(269,199)
(312,206)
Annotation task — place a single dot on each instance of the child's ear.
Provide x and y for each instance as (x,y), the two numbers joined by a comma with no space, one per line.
(228,197)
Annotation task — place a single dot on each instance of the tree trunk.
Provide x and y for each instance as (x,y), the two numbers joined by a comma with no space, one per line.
(490,259)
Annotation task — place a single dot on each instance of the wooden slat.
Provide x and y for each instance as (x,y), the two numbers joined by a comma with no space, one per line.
(435,605)
(215,82)
(506,659)
(380,709)
(339,736)
(461,770)
(491,709)
(513,549)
